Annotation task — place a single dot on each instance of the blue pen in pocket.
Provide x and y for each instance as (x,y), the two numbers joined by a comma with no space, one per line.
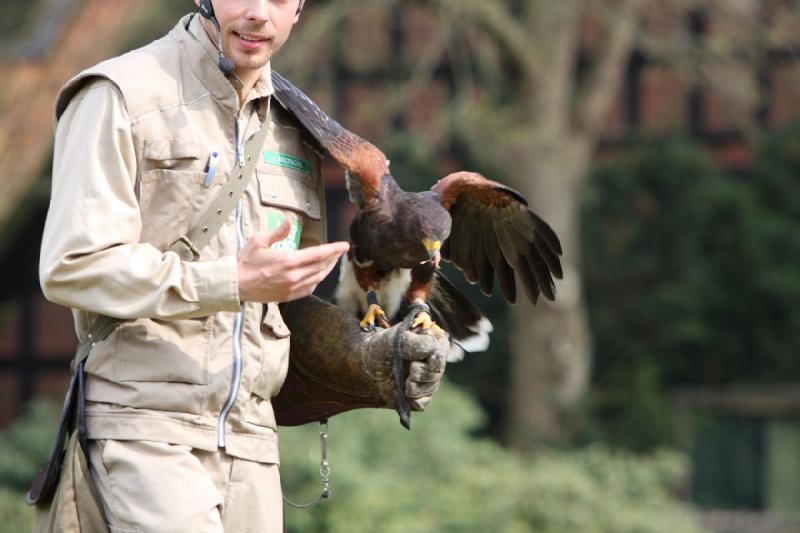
(213,162)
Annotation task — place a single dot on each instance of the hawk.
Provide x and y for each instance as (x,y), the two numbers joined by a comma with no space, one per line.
(398,238)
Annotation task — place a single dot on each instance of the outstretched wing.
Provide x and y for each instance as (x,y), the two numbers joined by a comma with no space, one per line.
(494,233)
(364,162)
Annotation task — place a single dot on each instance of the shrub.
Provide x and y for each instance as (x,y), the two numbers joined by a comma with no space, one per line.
(25,445)
(15,515)
(440,478)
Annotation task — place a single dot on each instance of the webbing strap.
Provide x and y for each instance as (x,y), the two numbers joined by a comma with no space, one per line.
(188,246)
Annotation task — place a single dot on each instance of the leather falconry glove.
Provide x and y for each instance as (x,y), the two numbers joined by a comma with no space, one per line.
(334,366)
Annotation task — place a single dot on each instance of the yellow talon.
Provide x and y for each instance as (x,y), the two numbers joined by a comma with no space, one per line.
(374,313)
(424,319)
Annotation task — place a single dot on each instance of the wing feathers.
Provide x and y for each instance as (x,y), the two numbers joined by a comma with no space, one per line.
(547,233)
(549,256)
(523,223)
(461,248)
(505,278)
(461,318)
(541,273)
(490,244)
(495,234)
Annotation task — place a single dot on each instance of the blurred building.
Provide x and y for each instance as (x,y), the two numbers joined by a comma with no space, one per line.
(45,42)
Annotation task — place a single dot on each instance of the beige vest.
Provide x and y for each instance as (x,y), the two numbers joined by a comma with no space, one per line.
(171,380)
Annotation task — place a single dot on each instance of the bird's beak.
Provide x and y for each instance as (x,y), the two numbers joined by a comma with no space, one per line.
(433,248)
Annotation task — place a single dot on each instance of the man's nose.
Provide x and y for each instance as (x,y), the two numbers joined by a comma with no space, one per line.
(258,10)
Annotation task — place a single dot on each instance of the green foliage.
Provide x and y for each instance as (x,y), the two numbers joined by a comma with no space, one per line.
(25,446)
(690,276)
(439,477)
(15,514)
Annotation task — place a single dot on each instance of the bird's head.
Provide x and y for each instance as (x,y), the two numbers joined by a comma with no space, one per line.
(434,225)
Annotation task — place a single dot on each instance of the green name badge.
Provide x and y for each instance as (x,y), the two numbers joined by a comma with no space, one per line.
(292,242)
(287,161)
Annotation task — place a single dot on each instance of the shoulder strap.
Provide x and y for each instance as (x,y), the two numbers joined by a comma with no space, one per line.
(188,246)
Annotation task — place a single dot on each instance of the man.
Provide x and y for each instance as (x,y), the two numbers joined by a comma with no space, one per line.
(179,415)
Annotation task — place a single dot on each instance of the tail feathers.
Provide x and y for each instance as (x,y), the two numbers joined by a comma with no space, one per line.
(468,328)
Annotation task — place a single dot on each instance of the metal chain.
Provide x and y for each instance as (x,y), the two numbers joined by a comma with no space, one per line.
(324,471)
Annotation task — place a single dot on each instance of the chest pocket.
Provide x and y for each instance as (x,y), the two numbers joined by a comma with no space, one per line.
(171,190)
(288,172)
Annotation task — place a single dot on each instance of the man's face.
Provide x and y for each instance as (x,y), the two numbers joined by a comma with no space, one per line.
(253,30)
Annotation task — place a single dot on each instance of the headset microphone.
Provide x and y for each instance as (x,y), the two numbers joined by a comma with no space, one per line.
(207,11)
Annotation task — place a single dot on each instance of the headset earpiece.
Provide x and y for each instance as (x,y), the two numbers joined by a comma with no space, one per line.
(206,9)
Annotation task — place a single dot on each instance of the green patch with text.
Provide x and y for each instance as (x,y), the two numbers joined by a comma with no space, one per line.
(292,242)
(287,161)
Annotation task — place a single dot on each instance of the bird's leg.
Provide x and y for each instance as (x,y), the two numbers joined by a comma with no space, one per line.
(374,314)
(418,291)
(424,320)
(368,278)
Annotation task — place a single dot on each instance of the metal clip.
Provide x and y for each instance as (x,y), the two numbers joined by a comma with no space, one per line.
(324,470)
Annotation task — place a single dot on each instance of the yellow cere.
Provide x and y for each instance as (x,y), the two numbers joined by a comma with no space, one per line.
(431,245)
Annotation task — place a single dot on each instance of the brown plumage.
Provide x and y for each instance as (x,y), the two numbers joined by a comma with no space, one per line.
(494,232)
(398,237)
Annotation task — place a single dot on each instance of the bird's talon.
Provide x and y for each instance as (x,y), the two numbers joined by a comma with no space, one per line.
(425,321)
(374,313)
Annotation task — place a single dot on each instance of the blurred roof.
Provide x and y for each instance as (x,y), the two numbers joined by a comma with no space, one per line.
(48,42)
(770,400)
(29,28)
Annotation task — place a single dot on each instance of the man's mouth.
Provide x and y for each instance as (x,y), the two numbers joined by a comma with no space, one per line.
(251,39)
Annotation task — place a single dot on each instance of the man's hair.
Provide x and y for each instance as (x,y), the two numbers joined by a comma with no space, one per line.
(300,6)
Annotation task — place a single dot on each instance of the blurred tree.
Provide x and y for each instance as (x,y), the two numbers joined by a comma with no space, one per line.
(695,278)
(529,115)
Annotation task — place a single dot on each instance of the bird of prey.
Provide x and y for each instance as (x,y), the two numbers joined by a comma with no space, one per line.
(398,238)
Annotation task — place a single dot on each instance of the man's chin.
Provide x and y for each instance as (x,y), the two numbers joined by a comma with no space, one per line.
(251,64)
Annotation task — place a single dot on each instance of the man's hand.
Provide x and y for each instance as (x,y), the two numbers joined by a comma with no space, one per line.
(268,275)
(426,355)
(428,359)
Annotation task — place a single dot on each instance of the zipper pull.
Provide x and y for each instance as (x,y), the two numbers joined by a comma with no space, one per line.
(239,144)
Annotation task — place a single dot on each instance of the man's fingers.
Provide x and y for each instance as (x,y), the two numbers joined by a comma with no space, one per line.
(315,272)
(419,404)
(279,233)
(420,390)
(320,253)
(421,346)
(422,373)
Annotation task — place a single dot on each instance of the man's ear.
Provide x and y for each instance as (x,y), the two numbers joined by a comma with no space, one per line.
(197,3)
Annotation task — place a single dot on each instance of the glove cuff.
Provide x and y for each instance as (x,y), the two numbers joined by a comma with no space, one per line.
(336,369)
